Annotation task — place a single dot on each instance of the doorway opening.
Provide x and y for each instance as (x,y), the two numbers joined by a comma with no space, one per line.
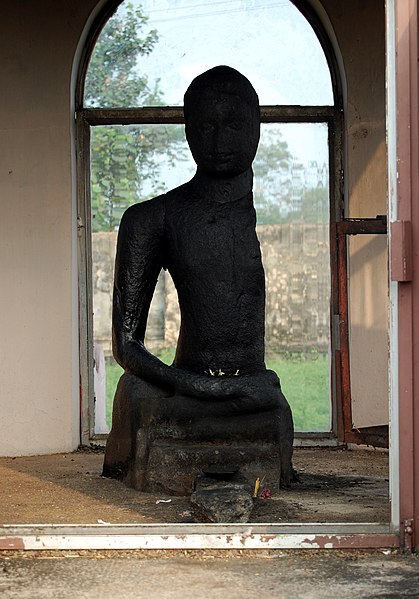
(304,225)
(88,119)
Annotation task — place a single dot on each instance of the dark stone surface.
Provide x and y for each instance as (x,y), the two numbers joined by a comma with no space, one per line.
(222,498)
(204,233)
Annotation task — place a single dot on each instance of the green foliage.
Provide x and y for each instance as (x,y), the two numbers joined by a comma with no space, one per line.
(272,156)
(125,160)
(315,205)
(111,79)
(271,168)
(113,373)
(126,166)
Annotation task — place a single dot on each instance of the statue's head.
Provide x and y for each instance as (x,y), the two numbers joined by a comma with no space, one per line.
(222,121)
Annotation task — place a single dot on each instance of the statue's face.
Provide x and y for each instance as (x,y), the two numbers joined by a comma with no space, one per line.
(223,134)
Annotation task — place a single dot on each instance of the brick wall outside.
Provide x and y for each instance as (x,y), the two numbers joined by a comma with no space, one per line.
(296,261)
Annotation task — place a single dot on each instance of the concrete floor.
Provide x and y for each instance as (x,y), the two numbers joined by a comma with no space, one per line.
(68,488)
(335,485)
(192,575)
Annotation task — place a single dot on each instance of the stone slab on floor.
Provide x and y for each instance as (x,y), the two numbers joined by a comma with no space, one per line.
(228,499)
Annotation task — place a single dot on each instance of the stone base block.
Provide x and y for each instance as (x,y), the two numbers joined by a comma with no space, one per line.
(160,443)
(227,500)
(173,466)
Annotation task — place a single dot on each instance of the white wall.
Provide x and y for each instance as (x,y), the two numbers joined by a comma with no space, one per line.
(38,263)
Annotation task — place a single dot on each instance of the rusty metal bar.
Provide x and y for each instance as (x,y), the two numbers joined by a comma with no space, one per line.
(297,114)
(131,116)
(345,380)
(363,226)
(207,536)
(340,430)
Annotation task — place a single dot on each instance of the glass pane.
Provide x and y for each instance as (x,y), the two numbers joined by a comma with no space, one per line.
(148,54)
(292,202)
(129,164)
(133,163)
(292,199)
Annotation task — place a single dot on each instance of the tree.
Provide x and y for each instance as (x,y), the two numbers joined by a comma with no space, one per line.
(272,177)
(125,160)
(315,205)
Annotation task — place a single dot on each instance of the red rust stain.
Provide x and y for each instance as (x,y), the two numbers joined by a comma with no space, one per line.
(266,538)
(352,542)
(12,543)
(321,541)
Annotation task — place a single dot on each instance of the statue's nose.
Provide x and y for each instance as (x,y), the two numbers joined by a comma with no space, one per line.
(220,140)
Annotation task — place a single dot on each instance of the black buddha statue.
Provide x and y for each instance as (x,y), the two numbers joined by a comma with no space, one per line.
(217,401)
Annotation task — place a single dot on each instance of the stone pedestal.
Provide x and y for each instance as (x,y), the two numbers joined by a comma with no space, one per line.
(172,465)
(152,451)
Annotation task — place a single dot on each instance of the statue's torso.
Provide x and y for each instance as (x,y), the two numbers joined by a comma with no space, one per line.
(213,255)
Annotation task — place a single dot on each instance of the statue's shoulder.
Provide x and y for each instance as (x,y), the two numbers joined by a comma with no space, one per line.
(148,212)
(152,212)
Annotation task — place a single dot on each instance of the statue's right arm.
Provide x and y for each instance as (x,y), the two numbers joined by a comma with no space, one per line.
(139,259)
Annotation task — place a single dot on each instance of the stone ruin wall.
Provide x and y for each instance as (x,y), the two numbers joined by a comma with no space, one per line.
(296,261)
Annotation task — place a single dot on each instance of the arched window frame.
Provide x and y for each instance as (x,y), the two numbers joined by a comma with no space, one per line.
(331,115)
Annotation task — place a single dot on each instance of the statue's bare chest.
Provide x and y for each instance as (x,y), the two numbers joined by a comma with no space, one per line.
(211,239)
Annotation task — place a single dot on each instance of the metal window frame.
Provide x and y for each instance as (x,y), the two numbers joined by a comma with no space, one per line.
(86,118)
(198,536)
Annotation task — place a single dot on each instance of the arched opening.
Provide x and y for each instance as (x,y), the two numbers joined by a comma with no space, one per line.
(130,111)
(305,211)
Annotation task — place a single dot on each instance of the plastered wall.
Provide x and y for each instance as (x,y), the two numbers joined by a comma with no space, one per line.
(359,27)
(39,401)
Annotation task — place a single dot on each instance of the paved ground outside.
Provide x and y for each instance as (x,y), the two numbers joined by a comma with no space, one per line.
(195,575)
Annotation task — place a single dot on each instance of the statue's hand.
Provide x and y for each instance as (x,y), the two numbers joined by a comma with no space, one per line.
(244,392)
(260,386)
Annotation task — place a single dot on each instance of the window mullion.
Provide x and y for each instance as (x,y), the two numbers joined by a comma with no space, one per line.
(174,115)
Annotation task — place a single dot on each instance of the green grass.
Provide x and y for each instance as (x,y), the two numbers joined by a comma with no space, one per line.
(305,384)
(113,372)
(304,381)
